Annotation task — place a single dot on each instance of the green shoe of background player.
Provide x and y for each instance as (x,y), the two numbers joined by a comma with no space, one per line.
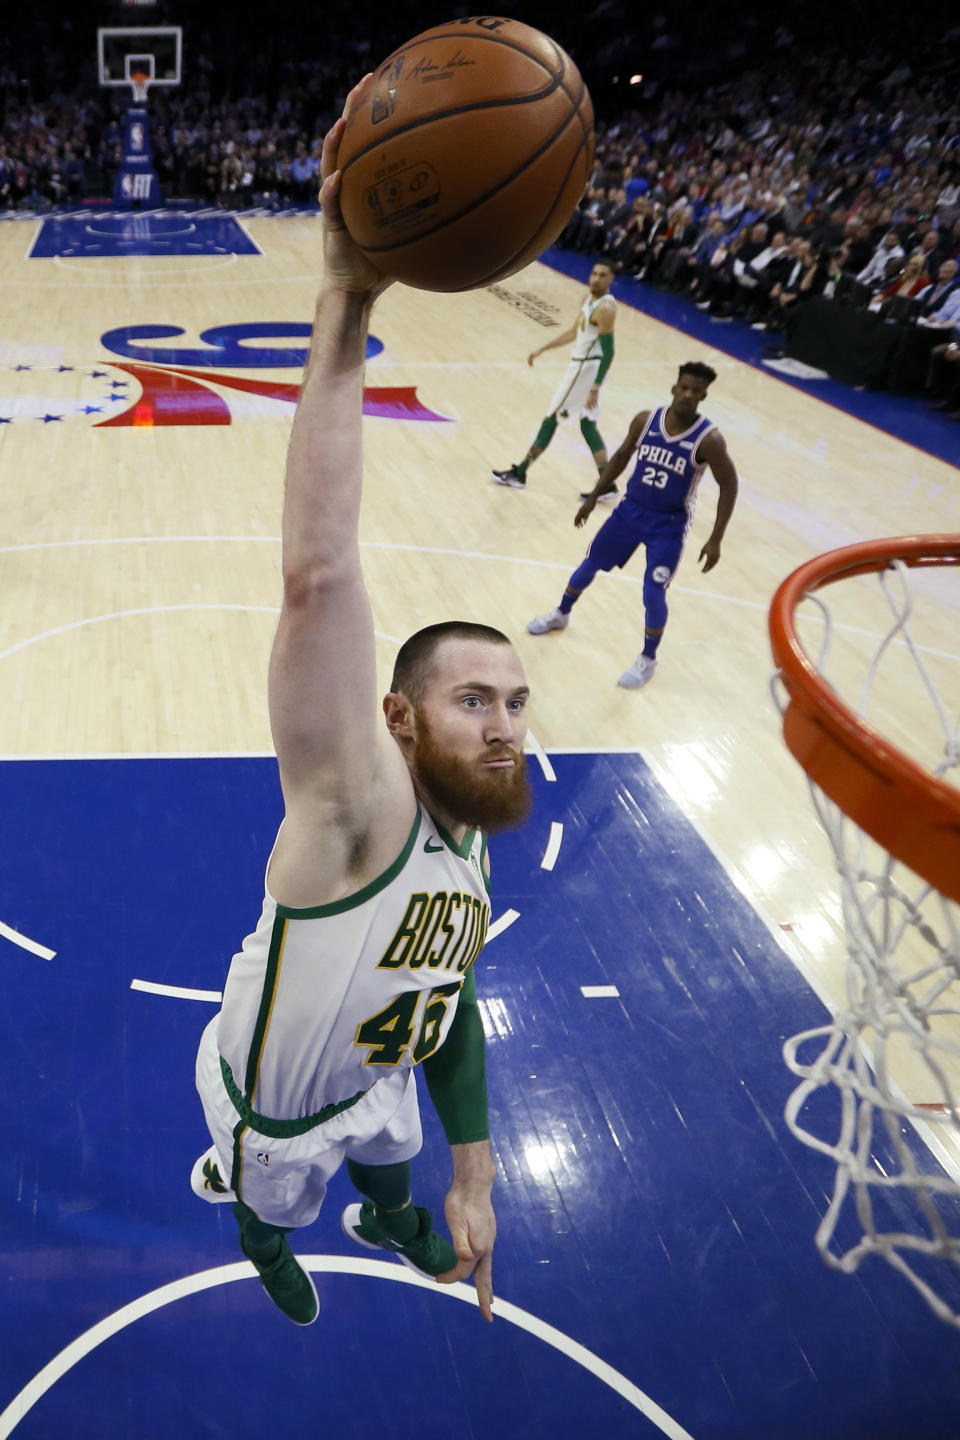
(287,1283)
(427,1252)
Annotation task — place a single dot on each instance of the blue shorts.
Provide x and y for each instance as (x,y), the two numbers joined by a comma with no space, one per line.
(663,533)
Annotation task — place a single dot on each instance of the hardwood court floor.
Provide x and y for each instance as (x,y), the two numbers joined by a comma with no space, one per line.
(139,562)
(172,532)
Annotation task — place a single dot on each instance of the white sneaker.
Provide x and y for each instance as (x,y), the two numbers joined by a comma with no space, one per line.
(639,673)
(553,620)
(206,1179)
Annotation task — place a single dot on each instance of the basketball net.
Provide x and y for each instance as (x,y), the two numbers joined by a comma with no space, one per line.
(892,1054)
(139,83)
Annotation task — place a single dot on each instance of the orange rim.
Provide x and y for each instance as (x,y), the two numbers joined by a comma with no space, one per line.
(909,811)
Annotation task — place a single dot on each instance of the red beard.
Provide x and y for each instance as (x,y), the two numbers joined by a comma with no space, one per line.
(490,799)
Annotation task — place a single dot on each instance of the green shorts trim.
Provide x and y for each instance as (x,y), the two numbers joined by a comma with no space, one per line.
(279,1129)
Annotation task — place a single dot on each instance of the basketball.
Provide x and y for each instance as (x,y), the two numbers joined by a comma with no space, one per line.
(467,155)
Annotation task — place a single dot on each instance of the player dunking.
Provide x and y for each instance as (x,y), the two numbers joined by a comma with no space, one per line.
(672,446)
(376,902)
(578,395)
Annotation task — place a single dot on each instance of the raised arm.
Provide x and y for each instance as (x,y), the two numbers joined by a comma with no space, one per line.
(337,765)
(713,450)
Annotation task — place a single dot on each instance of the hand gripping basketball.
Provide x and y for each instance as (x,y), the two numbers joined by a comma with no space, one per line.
(346,266)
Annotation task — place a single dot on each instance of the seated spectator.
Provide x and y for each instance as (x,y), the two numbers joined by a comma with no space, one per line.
(687,263)
(911,280)
(679,235)
(805,278)
(943,379)
(947,317)
(756,278)
(933,297)
(718,290)
(947,207)
(303,175)
(827,231)
(629,238)
(584,223)
(634,258)
(874,273)
(613,215)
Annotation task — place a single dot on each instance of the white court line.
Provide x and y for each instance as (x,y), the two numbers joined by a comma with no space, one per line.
(121,281)
(123,615)
(503,922)
(541,755)
(194,1284)
(599,992)
(699,593)
(200,272)
(183,992)
(148,235)
(553,845)
(178,992)
(152,610)
(258,248)
(33,240)
(25,944)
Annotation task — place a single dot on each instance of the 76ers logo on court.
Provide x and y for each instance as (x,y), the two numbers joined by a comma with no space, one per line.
(171,384)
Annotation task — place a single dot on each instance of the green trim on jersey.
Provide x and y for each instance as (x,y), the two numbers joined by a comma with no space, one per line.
(278,1129)
(267,996)
(483,855)
(463,849)
(359,897)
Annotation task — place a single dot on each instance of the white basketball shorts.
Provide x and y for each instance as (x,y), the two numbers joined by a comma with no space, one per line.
(570,398)
(284,1180)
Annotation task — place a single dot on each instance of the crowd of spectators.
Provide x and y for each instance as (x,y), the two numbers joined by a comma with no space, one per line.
(786,171)
(751,199)
(235,154)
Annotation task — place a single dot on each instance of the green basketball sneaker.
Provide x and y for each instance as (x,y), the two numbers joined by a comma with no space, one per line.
(427,1252)
(287,1283)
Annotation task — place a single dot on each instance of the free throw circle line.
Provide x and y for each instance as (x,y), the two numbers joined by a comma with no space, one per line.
(8,933)
(553,846)
(202,1280)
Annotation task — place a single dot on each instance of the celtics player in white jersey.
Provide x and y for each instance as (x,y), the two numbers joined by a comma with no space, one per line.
(376,902)
(577,397)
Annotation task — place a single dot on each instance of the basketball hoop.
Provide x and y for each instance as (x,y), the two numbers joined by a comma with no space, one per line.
(893,1052)
(139,82)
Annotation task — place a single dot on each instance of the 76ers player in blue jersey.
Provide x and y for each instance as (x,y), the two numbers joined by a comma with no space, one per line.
(671,446)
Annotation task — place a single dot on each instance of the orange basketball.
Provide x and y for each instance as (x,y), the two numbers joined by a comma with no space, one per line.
(467,155)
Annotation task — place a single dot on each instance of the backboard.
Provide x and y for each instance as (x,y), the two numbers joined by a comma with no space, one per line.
(133,50)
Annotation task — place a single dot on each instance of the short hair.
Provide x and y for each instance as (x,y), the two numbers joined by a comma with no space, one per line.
(414,662)
(699,370)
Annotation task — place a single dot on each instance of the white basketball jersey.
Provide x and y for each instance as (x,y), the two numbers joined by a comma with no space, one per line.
(320,1003)
(586,346)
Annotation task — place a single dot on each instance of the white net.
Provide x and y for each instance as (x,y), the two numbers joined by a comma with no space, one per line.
(884,1077)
